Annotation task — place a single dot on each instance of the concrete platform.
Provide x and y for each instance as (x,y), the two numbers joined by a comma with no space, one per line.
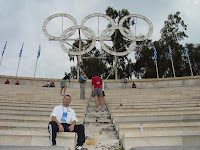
(167,148)
(161,138)
(4,147)
(34,138)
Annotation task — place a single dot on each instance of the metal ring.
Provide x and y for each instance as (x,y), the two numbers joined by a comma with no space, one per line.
(63,38)
(51,37)
(105,47)
(142,17)
(88,33)
(97,15)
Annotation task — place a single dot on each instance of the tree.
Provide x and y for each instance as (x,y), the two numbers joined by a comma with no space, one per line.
(104,67)
(120,43)
(172,33)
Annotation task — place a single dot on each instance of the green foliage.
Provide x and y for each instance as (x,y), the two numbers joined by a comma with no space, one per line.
(172,32)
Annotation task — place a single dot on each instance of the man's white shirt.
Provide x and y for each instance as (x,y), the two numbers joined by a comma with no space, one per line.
(58,113)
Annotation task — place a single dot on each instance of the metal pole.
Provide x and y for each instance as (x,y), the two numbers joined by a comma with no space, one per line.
(173,67)
(78,57)
(98,26)
(157,68)
(35,67)
(1,60)
(18,66)
(190,66)
(116,58)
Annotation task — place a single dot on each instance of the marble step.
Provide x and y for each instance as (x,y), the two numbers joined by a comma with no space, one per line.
(143,119)
(5,147)
(161,138)
(167,148)
(34,138)
(36,109)
(157,129)
(30,119)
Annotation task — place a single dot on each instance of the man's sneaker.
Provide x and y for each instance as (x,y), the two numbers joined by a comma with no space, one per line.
(97,109)
(80,148)
(102,110)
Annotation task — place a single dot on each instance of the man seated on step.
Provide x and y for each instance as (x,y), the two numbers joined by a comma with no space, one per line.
(63,119)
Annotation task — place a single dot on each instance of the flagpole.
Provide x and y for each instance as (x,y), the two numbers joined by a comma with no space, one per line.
(157,68)
(18,66)
(20,54)
(38,55)
(1,60)
(190,66)
(173,67)
(35,67)
(187,55)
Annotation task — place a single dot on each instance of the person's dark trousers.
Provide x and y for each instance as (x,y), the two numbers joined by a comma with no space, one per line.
(53,129)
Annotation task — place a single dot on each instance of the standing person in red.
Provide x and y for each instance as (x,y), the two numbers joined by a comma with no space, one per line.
(7,81)
(97,91)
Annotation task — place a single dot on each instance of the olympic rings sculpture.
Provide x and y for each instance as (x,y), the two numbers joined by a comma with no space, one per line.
(88,33)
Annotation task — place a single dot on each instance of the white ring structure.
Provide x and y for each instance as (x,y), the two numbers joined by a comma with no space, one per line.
(63,38)
(90,35)
(138,16)
(51,37)
(97,15)
(105,47)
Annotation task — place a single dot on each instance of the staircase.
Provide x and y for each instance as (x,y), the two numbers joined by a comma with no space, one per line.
(100,132)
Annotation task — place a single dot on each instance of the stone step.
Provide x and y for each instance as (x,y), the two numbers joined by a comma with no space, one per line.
(143,119)
(150,106)
(31,113)
(4,147)
(42,103)
(30,119)
(39,106)
(96,120)
(152,125)
(168,113)
(156,119)
(165,138)
(133,110)
(34,138)
(17,108)
(156,129)
(167,148)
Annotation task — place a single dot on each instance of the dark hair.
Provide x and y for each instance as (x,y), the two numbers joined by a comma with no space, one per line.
(68,96)
(96,74)
(66,77)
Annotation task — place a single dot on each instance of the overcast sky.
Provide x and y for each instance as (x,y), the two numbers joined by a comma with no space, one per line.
(21,21)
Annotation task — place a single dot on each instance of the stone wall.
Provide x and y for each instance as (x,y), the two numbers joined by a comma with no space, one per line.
(109,84)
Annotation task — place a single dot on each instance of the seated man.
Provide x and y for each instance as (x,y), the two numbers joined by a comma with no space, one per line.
(52,84)
(7,81)
(46,84)
(63,119)
(133,85)
(17,83)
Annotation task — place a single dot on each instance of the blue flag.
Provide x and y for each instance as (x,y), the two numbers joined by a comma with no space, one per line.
(170,53)
(4,48)
(155,53)
(20,53)
(186,51)
(38,53)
